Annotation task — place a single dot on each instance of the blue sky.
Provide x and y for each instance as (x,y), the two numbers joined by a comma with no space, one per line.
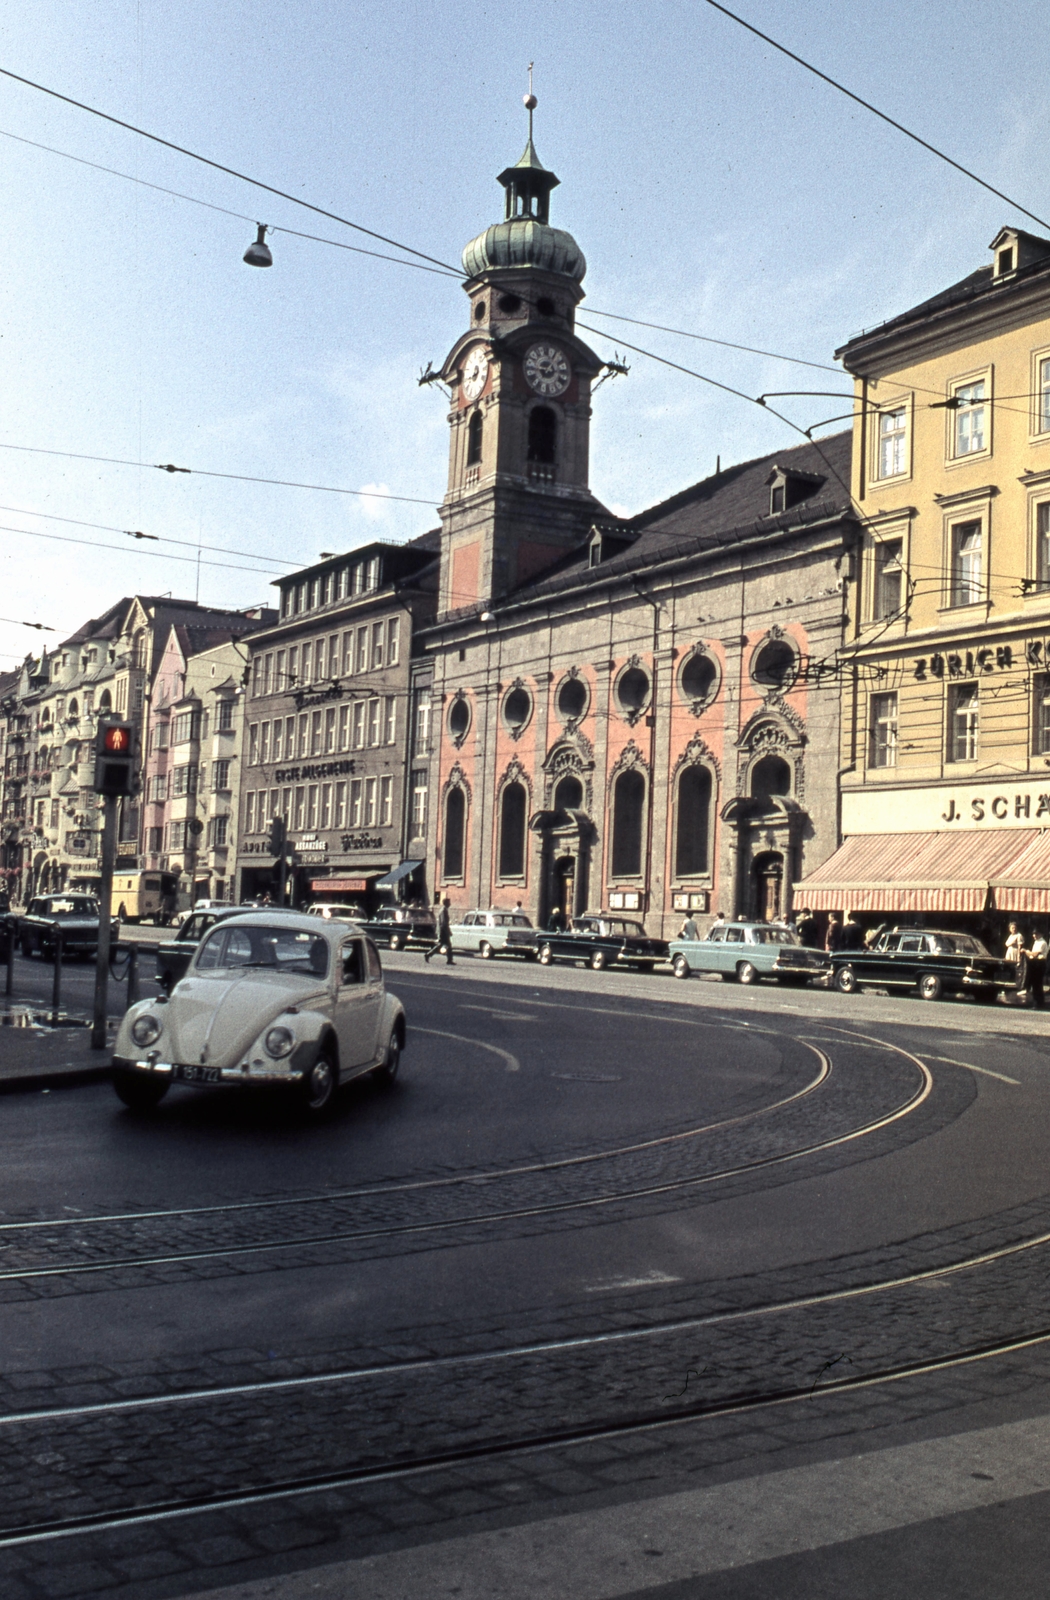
(712,184)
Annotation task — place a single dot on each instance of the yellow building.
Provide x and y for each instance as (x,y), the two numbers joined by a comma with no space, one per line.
(945,766)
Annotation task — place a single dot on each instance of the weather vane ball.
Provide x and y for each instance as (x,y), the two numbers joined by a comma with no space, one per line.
(530,102)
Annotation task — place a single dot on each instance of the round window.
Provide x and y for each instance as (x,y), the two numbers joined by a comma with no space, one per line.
(458,717)
(510,303)
(699,678)
(572,699)
(775,666)
(632,691)
(517,708)
(479,311)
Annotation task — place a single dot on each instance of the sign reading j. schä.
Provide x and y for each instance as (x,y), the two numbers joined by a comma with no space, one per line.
(947,807)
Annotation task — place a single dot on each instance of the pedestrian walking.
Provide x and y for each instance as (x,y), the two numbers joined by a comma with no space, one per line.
(556,921)
(808,932)
(689,929)
(444,935)
(1037,953)
(720,920)
(1015,954)
(852,935)
(834,939)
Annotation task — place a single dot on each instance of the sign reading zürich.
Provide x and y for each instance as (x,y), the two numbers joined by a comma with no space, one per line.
(949,807)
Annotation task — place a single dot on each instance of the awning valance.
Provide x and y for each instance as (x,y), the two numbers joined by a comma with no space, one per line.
(932,872)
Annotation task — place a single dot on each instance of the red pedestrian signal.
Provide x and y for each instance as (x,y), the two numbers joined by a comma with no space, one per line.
(116,764)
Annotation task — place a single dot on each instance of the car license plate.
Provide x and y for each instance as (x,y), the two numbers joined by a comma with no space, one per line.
(192,1074)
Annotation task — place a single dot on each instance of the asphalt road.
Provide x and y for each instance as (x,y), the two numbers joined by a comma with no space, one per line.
(626,1286)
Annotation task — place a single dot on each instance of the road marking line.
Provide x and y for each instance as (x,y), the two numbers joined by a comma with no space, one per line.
(652,1280)
(502,1016)
(988,1073)
(513,1064)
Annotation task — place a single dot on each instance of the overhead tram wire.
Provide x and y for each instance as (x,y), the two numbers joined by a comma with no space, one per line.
(882,115)
(234,477)
(123,549)
(704,338)
(231,172)
(135,533)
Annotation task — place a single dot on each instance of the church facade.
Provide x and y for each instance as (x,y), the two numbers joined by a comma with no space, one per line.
(635,714)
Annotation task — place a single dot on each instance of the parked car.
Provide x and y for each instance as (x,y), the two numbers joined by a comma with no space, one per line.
(931,962)
(74,916)
(601,940)
(398,926)
(327,909)
(747,952)
(175,955)
(269,1000)
(492,933)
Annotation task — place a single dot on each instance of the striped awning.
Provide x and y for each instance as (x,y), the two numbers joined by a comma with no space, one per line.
(931,872)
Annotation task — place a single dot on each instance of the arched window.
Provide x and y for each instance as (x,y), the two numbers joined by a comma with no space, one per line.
(512,831)
(568,794)
(455,820)
(543,435)
(628,815)
(692,847)
(106,702)
(475,429)
(770,777)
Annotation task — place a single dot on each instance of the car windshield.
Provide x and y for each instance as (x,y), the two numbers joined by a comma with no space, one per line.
(773,936)
(70,905)
(285,949)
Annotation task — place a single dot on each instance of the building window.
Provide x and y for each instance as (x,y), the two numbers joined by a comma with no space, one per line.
(278,739)
(155,840)
(186,727)
(362,650)
(221,831)
(264,744)
(628,818)
(420,785)
(326,805)
(373,723)
(339,820)
(770,778)
(329,731)
(390,719)
(185,780)
(372,574)
(884,730)
(311,807)
(455,827)
(966,582)
(377,644)
(225,716)
(1042,545)
(963,722)
(475,428)
(971,430)
(512,819)
(293,666)
(889,575)
(692,841)
(893,439)
(370,802)
(359,724)
(386,801)
(1042,715)
(1043,397)
(393,641)
(355,803)
(543,436)
(315,734)
(300,809)
(344,727)
(220,776)
(422,733)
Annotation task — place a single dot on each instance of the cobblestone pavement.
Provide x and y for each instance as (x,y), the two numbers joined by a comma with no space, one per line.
(443,1419)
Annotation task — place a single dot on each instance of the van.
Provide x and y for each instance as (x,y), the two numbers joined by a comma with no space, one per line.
(143,896)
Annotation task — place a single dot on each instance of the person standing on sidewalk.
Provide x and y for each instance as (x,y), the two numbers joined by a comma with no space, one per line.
(1037,953)
(444,935)
(1015,954)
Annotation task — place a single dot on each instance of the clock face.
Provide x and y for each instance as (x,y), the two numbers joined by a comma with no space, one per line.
(475,372)
(547,369)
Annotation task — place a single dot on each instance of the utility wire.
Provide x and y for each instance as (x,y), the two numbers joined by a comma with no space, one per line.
(932,148)
(217,166)
(177,194)
(134,533)
(122,549)
(202,472)
(704,338)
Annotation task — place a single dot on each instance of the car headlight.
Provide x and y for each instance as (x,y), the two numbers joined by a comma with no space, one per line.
(144,1030)
(279,1042)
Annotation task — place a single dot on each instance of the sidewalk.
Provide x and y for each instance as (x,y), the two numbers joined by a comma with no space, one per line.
(34,1055)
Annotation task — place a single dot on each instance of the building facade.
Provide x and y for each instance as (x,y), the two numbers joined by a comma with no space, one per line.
(331,726)
(639,713)
(946,706)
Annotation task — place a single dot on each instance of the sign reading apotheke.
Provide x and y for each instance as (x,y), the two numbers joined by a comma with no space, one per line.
(949,807)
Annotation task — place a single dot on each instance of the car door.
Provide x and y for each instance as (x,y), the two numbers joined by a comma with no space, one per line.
(733,951)
(908,961)
(358,1002)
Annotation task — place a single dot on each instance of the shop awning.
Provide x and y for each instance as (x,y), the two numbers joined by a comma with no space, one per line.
(1024,885)
(918,872)
(395,875)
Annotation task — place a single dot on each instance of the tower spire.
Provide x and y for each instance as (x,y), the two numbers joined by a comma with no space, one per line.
(530,102)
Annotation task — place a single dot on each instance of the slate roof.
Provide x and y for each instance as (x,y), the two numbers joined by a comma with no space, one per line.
(727,509)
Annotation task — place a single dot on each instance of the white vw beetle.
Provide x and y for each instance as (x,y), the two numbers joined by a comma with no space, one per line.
(269,998)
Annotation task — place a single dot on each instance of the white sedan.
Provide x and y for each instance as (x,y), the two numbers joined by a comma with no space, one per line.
(267,999)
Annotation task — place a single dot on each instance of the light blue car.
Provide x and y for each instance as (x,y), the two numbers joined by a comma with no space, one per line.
(495,933)
(746,952)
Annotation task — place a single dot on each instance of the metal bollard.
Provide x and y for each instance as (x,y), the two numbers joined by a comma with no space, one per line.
(56,980)
(133,975)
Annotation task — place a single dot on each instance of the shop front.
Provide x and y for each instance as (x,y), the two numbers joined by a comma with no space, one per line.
(972,855)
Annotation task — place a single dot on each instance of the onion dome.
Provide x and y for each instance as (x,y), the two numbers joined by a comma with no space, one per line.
(525,237)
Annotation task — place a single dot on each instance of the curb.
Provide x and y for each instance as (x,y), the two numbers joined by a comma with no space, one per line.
(69,1079)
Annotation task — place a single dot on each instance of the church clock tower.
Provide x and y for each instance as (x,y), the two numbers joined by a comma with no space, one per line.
(520,379)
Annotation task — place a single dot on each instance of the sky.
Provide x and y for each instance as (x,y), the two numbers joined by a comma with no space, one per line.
(712,184)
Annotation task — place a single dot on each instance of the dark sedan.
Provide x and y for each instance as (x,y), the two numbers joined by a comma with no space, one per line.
(175,955)
(398,926)
(928,961)
(602,941)
(71,918)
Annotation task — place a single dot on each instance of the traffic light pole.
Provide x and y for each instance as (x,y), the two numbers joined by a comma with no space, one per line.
(105,897)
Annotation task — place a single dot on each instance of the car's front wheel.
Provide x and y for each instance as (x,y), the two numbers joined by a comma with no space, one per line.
(387,1072)
(137,1091)
(317,1090)
(846,980)
(680,967)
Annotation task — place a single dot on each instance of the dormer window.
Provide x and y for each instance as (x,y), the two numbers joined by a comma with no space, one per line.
(1013,250)
(596,549)
(1004,263)
(788,488)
